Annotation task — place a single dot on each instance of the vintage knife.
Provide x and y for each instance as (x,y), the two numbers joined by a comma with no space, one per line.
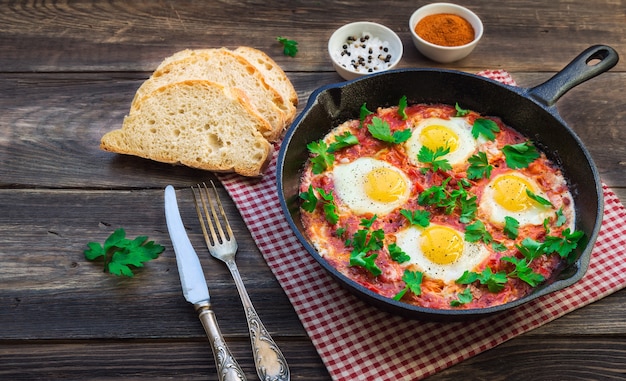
(196,291)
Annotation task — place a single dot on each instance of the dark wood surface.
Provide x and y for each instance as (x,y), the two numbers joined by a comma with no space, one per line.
(68,71)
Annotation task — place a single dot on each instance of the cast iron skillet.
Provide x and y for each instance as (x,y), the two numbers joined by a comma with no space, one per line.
(531,111)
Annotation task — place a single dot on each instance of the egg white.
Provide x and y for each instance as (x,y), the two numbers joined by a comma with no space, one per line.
(459,126)
(350,183)
(410,239)
(496,213)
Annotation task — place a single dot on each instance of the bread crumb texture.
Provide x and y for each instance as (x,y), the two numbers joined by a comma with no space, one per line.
(210,109)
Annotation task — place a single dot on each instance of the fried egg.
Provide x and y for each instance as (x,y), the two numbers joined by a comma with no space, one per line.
(506,195)
(440,251)
(368,185)
(433,133)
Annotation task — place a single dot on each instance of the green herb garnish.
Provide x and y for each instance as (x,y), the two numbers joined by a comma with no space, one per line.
(511,227)
(523,271)
(417,217)
(344,140)
(460,111)
(310,199)
(462,298)
(540,200)
(323,159)
(433,159)
(494,281)
(412,281)
(564,245)
(363,241)
(479,166)
(477,232)
(290,47)
(363,113)
(520,155)
(396,253)
(485,127)
(381,131)
(120,253)
(402,107)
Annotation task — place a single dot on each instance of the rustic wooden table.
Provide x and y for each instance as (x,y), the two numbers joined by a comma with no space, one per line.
(68,71)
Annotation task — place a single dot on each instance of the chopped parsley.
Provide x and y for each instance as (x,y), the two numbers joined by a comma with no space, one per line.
(323,160)
(440,197)
(396,253)
(511,227)
(520,155)
(486,128)
(363,242)
(347,139)
(460,111)
(462,298)
(417,217)
(523,271)
(479,166)
(477,232)
(363,113)
(494,281)
(433,159)
(310,202)
(381,131)
(402,108)
(412,281)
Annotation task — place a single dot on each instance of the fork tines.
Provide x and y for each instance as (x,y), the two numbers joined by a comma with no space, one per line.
(205,202)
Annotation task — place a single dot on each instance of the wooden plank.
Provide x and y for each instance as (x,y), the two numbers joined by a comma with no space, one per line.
(123,36)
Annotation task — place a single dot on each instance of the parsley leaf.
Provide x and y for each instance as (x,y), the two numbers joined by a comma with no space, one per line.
(530,248)
(330,209)
(290,47)
(413,282)
(523,271)
(563,246)
(476,232)
(310,200)
(396,253)
(540,200)
(462,298)
(363,241)
(344,140)
(511,227)
(120,253)
(485,127)
(363,113)
(460,111)
(417,217)
(381,131)
(323,160)
(494,281)
(427,156)
(520,155)
(402,108)
(479,166)
(560,217)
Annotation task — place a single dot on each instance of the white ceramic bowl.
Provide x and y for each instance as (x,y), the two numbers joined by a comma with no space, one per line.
(445,54)
(339,39)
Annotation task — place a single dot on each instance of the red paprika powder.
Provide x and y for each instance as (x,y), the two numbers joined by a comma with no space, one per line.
(445,29)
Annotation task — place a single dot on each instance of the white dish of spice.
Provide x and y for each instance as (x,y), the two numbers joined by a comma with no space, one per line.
(445,32)
(363,48)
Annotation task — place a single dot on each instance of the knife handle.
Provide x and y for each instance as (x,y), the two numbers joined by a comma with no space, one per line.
(227,367)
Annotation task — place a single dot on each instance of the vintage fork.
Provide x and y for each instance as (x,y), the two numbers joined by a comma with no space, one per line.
(268,359)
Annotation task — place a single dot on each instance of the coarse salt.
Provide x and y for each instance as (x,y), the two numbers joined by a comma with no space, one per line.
(364,54)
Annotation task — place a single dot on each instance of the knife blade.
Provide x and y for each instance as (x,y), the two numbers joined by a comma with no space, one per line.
(196,291)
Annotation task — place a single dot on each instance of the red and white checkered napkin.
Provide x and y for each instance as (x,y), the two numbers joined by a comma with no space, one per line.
(357,341)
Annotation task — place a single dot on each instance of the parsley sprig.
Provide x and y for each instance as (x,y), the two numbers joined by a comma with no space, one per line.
(460,199)
(322,159)
(290,47)
(520,155)
(310,202)
(485,127)
(412,281)
(433,159)
(347,139)
(363,242)
(121,254)
(494,281)
(479,166)
(380,130)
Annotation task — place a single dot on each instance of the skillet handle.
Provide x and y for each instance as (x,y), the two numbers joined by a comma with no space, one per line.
(594,61)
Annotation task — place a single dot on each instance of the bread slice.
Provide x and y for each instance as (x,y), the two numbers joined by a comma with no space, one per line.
(272,72)
(197,123)
(228,69)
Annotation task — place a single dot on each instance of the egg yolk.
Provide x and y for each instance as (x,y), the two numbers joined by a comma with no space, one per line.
(510,193)
(437,136)
(384,185)
(441,244)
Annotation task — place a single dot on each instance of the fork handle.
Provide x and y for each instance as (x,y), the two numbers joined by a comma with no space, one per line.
(269,361)
(227,367)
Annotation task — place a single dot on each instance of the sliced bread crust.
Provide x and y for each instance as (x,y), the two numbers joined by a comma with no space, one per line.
(230,70)
(197,123)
